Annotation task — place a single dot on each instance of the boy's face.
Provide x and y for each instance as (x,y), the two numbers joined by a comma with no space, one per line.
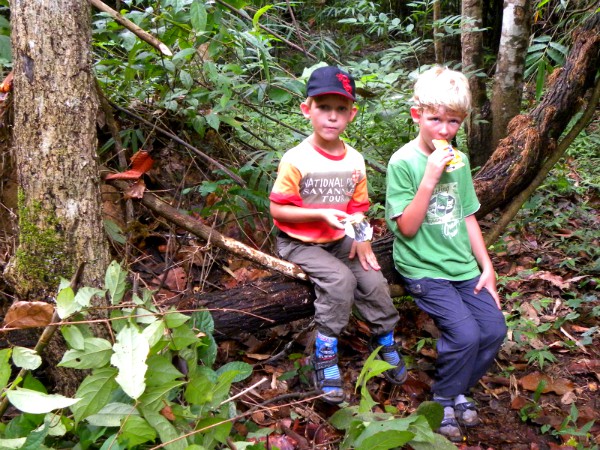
(441,123)
(329,115)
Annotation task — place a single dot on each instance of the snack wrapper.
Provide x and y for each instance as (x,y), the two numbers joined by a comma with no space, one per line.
(454,163)
(358,227)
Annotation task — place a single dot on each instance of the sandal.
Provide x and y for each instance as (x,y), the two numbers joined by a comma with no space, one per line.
(396,375)
(332,396)
(449,427)
(466,413)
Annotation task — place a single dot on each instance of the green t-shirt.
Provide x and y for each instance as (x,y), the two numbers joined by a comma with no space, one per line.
(441,248)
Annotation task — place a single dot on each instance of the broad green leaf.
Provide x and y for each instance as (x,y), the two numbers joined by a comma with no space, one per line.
(26,358)
(213,121)
(201,388)
(7,444)
(95,392)
(130,353)
(112,414)
(182,337)
(154,332)
(161,370)
(111,443)
(35,402)
(438,442)
(5,48)
(56,427)
(154,396)
(85,294)
(223,387)
(433,412)
(384,435)
(115,282)
(243,370)
(114,232)
(65,303)
(73,336)
(96,353)
(166,431)
(198,16)
(5,369)
(186,79)
(136,431)
(342,419)
(203,321)
(175,319)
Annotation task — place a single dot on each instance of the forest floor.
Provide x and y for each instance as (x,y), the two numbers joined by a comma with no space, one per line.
(542,393)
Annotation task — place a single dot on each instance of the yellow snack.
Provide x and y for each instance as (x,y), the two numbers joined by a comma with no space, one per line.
(454,163)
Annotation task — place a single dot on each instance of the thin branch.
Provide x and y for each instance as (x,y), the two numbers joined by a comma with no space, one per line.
(212,236)
(514,207)
(143,35)
(202,155)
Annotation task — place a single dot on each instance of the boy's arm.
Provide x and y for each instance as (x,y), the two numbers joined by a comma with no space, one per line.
(414,214)
(296,214)
(488,276)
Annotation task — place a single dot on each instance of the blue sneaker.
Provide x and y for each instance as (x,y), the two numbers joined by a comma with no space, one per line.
(326,375)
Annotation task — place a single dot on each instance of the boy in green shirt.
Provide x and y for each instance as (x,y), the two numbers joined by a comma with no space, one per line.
(438,247)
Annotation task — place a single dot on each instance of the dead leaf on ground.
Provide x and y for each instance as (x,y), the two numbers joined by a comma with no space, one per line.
(141,162)
(28,315)
(560,386)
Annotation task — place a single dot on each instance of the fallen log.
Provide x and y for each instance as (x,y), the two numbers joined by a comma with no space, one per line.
(274,300)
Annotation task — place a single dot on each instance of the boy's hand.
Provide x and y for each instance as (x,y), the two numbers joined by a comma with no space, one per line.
(436,164)
(334,217)
(488,280)
(367,258)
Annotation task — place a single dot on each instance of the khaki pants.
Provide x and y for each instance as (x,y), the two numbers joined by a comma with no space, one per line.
(341,283)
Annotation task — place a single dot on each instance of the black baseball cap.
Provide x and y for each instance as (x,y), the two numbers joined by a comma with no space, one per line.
(331,80)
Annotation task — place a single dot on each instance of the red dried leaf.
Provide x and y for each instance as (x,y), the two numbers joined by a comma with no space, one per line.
(29,315)
(141,163)
(7,84)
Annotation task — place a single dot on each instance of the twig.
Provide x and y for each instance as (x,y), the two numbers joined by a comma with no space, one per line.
(212,236)
(239,394)
(143,35)
(202,155)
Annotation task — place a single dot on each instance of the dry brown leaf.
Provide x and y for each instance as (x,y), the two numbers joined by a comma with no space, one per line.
(136,190)
(28,315)
(560,386)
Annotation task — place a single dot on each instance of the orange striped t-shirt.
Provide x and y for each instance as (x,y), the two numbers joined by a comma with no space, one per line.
(308,177)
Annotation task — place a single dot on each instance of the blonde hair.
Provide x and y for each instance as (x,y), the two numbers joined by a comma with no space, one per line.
(440,86)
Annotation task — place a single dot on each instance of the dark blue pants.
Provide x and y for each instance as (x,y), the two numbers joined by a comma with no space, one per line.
(472,331)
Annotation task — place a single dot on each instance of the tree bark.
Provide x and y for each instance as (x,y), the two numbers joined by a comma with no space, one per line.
(55,110)
(508,80)
(478,125)
(274,300)
(54,146)
(532,137)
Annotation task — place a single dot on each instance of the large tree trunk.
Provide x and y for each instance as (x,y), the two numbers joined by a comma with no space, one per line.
(532,137)
(508,80)
(54,146)
(478,123)
(55,110)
